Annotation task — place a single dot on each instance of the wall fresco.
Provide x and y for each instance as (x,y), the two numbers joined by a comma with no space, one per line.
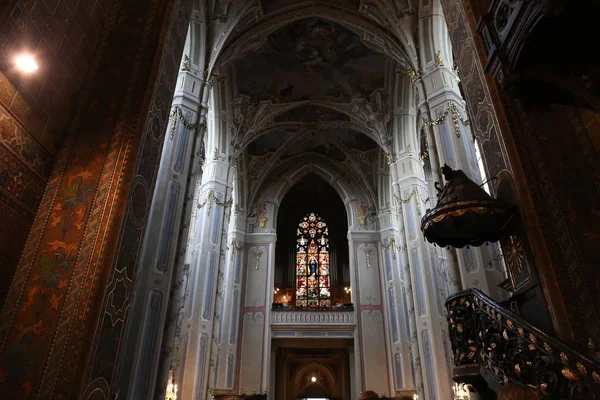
(53,303)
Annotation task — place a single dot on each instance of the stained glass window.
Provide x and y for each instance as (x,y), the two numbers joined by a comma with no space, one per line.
(312,263)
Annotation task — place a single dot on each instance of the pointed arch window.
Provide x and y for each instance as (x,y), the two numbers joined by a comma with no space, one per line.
(312,263)
(481,167)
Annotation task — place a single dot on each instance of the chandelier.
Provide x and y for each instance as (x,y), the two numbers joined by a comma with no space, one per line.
(171,393)
(465,214)
(461,391)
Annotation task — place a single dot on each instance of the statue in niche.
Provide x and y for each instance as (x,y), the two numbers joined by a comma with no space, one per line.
(262,217)
(362,215)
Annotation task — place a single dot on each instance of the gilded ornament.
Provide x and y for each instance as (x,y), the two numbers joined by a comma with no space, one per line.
(391,158)
(505,334)
(439,58)
(570,374)
(175,116)
(412,74)
(519,330)
(515,254)
(564,358)
(450,108)
(532,347)
(596,377)
(510,326)
(544,388)
(581,368)
(186,63)
(547,348)
(517,369)
(532,338)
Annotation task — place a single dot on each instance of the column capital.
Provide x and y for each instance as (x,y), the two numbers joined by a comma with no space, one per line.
(260,238)
(364,236)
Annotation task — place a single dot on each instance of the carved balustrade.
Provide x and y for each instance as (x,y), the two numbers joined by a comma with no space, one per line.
(294,317)
(508,348)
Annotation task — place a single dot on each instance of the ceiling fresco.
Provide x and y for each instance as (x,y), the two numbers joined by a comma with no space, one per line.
(312,114)
(312,142)
(310,59)
(270,142)
(269,6)
(352,139)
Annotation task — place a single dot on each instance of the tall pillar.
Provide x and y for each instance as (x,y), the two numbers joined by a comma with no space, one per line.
(444,115)
(207,256)
(420,275)
(228,330)
(423,279)
(254,363)
(397,315)
(182,145)
(372,348)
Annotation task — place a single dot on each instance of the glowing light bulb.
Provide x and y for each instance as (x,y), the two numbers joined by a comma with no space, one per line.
(313,379)
(26,63)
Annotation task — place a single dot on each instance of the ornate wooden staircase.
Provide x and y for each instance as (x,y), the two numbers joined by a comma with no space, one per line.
(493,345)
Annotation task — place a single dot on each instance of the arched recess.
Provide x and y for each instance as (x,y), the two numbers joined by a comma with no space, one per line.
(320,370)
(374,35)
(351,193)
(311,197)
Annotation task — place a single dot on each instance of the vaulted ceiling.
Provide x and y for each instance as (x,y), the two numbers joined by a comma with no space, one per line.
(311,82)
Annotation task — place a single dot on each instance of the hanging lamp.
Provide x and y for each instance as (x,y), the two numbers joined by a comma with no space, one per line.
(465,215)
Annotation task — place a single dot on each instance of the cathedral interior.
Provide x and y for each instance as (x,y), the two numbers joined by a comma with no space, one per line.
(290,200)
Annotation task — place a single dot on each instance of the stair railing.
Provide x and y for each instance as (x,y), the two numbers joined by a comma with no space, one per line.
(510,349)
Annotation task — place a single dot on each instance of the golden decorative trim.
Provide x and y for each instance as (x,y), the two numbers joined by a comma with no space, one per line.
(439,59)
(177,115)
(450,109)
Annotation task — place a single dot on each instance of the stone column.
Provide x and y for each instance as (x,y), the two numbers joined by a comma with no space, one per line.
(397,318)
(418,275)
(443,112)
(207,260)
(227,333)
(151,297)
(372,350)
(254,363)
(422,280)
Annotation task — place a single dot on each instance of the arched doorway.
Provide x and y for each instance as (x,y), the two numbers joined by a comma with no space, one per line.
(312,369)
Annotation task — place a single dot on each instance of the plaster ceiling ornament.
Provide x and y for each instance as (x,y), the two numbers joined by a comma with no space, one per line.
(367,162)
(375,114)
(248,117)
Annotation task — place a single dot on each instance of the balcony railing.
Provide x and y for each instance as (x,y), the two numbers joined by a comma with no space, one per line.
(303,317)
(508,348)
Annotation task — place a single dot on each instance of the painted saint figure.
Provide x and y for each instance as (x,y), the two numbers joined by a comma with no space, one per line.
(312,263)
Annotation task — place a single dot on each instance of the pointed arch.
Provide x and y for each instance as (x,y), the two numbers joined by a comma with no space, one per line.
(372,34)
